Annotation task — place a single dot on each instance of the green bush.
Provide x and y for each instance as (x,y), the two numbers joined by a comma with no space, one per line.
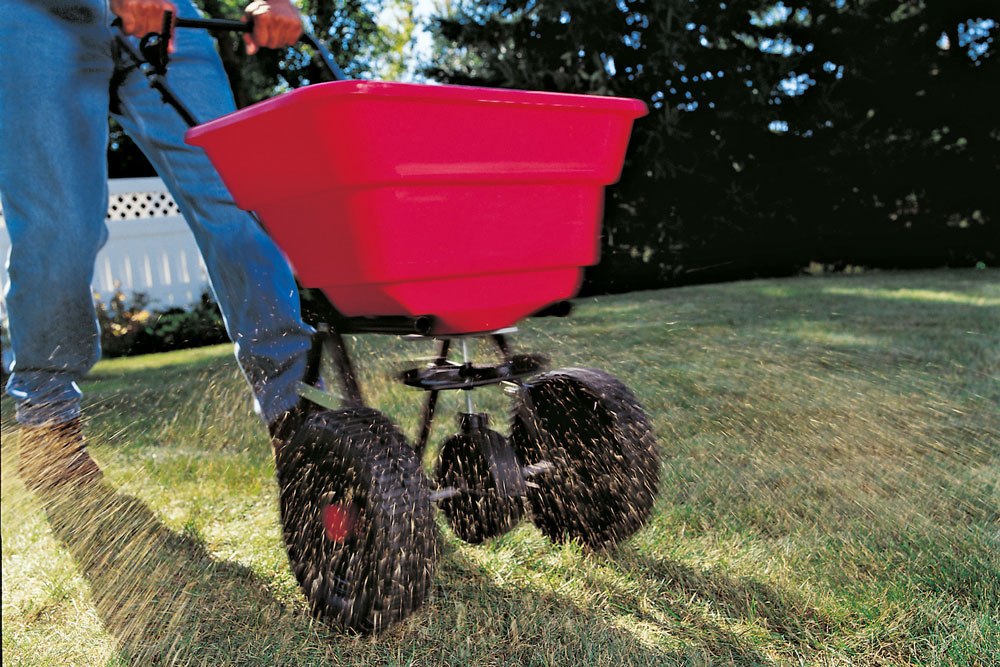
(121,322)
(129,328)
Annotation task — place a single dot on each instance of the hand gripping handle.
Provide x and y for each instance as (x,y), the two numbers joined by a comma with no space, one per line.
(228,25)
(153,54)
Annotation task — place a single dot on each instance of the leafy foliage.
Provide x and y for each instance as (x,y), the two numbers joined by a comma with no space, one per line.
(840,132)
(129,327)
(121,322)
(349,29)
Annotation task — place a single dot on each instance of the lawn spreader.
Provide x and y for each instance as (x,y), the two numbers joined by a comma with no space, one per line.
(440,213)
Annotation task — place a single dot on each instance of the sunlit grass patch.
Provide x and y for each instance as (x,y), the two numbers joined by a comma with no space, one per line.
(830,495)
(918,295)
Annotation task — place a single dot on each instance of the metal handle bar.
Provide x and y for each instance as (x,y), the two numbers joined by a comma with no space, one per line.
(229,25)
(152,55)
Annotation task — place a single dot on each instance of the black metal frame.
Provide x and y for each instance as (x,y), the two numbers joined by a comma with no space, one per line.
(443,375)
(509,478)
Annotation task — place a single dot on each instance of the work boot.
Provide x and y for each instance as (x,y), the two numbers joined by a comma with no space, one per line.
(53,455)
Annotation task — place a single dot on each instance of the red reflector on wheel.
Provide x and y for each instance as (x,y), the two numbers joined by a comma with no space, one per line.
(338,521)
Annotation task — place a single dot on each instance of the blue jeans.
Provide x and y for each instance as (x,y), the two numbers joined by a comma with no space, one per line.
(60,74)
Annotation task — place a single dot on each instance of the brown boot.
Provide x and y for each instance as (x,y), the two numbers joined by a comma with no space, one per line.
(53,455)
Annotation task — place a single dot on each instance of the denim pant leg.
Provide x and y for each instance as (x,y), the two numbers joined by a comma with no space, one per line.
(250,277)
(54,72)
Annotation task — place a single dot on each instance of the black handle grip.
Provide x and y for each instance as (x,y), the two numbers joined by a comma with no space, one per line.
(217,25)
(229,25)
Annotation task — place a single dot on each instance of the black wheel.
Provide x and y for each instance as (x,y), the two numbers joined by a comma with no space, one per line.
(605,470)
(358,522)
(479,512)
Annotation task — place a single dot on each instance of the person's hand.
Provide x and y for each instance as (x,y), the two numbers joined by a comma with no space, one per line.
(276,23)
(141,17)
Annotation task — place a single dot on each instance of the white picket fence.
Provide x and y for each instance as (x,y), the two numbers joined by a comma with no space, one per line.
(150,249)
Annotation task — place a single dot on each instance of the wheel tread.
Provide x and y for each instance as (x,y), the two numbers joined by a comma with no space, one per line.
(600,495)
(396,579)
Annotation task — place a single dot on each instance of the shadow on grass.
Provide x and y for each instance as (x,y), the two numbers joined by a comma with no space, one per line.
(160,594)
(745,600)
(669,626)
(492,621)
(700,607)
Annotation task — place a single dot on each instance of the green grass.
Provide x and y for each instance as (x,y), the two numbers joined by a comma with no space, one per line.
(831,485)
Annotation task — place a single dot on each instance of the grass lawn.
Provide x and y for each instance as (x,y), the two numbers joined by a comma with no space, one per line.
(831,495)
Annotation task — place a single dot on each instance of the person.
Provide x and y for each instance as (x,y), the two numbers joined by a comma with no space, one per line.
(61,73)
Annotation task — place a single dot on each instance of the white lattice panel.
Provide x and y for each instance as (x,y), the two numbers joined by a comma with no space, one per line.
(139,198)
(141,205)
(136,198)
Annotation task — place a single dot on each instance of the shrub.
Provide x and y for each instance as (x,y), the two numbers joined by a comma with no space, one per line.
(121,322)
(130,328)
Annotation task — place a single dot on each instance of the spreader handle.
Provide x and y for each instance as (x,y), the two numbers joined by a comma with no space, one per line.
(153,54)
(229,25)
